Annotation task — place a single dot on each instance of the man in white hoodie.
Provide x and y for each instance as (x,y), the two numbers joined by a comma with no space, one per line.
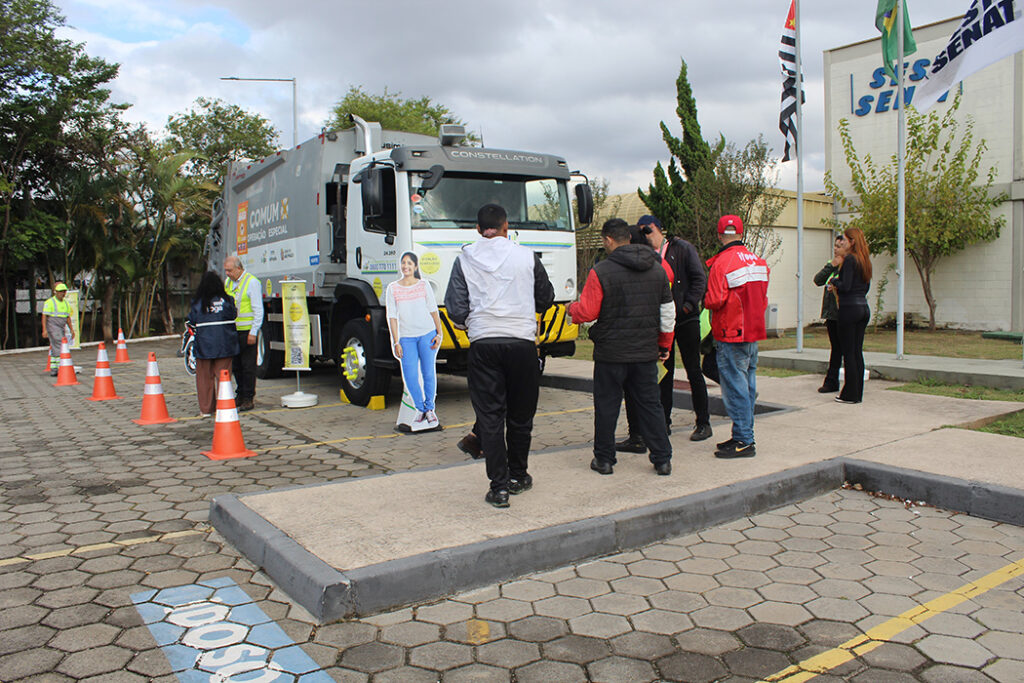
(495,291)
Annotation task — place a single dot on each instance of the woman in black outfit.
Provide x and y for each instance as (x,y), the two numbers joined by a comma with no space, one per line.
(852,289)
(830,314)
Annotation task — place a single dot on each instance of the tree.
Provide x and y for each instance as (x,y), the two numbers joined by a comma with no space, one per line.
(392,112)
(217,133)
(947,208)
(705,182)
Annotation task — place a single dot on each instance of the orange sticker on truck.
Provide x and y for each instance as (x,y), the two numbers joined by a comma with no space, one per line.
(242,228)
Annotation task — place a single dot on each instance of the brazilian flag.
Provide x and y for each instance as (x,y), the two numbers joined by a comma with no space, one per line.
(885,21)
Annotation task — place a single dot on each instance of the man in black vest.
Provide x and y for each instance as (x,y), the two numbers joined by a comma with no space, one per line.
(628,295)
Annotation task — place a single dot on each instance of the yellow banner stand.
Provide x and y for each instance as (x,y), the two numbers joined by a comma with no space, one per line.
(295,319)
(76,316)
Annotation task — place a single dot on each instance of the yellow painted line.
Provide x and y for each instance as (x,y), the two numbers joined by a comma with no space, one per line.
(35,557)
(885,632)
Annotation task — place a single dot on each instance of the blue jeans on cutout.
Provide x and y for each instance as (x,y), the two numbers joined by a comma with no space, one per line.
(737,367)
(417,358)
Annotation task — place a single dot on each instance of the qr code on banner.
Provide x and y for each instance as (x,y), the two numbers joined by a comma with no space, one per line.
(295,359)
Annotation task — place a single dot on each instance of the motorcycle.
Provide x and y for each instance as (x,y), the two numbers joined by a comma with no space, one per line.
(188,347)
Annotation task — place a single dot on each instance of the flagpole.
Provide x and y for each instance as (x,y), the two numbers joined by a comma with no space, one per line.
(901,133)
(799,185)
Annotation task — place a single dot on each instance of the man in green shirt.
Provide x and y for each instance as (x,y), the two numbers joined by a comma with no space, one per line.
(57,314)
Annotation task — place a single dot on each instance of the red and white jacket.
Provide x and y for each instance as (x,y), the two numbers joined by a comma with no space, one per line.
(737,294)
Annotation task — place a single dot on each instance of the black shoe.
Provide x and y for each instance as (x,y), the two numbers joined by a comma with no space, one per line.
(828,388)
(245,405)
(839,399)
(470,445)
(634,443)
(498,499)
(725,445)
(517,486)
(601,467)
(737,450)
(663,468)
(53,373)
(701,432)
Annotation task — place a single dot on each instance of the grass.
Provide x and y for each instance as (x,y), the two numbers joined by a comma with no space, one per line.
(585,351)
(1012,425)
(949,343)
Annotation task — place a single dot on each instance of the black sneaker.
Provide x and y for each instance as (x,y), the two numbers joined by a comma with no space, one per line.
(601,467)
(725,444)
(517,486)
(663,468)
(633,443)
(701,432)
(828,388)
(737,450)
(498,499)
(470,445)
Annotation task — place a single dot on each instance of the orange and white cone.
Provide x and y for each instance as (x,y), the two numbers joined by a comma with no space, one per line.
(103,384)
(227,432)
(154,408)
(121,355)
(66,370)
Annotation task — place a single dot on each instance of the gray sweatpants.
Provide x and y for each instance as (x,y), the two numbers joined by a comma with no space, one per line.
(55,330)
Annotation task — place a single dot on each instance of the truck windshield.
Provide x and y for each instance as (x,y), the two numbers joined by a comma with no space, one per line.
(531,203)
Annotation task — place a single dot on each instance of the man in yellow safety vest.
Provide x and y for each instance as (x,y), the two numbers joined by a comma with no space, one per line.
(245,289)
(57,314)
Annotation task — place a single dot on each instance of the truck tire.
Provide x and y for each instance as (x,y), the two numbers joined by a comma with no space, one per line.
(268,362)
(360,378)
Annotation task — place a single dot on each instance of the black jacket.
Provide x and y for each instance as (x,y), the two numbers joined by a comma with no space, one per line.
(634,287)
(689,279)
(216,336)
(829,303)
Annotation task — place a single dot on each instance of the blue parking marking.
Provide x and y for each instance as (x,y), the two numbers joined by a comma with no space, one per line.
(213,631)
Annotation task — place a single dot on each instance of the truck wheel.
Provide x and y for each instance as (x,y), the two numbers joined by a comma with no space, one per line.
(360,378)
(268,362)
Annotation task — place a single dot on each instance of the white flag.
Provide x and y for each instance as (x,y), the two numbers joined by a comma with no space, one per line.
(990,31)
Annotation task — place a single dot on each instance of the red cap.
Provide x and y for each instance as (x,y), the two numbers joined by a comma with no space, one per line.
(730,225)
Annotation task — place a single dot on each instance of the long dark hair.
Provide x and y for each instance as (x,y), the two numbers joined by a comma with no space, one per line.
(210,288)
(415,262)
(859,250)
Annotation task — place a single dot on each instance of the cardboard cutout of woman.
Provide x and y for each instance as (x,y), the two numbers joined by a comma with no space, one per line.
(415,338)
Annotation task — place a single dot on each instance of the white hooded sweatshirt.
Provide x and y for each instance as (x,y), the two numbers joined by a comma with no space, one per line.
(500,278)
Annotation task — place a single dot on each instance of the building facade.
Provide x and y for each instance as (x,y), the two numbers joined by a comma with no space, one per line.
(982,286)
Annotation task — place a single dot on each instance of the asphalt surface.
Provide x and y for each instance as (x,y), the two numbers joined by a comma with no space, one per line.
(104,547)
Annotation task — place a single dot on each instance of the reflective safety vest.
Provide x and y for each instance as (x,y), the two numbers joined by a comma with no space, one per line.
(56,308)
(238,290)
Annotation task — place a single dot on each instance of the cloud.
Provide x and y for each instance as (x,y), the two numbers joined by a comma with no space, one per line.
(587,81)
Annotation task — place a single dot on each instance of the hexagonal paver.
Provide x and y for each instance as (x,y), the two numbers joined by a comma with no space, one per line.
(346,635)
(475,631)
(661,621)
(447,612)
(582,588)
(771,637)
(527,590)
(727,596)
(619,603)
(546,672)
(576,649)
(617,669)
(677,601)
(476,673)
(84,637)
(721,618)
(561,607)
(894,656)
(508,654)
(690,666)
(956,651)
(645,646)
(653,569)
(441,656)
(373,657)
(504,609)
(598,625)
(638,585)
(410,633)
(782,613)
(836,609)
(754,662)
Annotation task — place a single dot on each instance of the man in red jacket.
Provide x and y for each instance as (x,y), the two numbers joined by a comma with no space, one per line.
(737,297)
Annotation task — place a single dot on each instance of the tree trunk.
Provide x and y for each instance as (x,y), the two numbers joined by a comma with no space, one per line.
(168,315)
(924,271)
(108,313)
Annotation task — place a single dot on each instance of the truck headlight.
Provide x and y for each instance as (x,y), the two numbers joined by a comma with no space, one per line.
(570,287)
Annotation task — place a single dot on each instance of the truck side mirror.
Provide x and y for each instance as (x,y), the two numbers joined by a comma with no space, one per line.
(432,177)
(584,204)
(371,192)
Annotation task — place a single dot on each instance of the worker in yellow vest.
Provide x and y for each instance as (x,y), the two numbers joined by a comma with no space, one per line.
(57,315)
(245,289)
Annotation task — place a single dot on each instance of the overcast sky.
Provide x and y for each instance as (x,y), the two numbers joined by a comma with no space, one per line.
(587,80)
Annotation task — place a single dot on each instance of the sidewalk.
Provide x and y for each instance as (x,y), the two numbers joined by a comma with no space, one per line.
(998,374)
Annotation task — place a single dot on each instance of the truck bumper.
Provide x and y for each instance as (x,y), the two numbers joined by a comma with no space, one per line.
(553,327)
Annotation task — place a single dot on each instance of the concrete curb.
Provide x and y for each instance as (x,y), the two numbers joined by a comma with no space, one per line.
(329,594)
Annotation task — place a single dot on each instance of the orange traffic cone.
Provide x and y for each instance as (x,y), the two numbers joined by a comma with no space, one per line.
(103,384)
(121,355)
(66,371)
(227,432)
(154,408)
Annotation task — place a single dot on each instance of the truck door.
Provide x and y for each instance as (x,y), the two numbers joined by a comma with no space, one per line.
(372,252)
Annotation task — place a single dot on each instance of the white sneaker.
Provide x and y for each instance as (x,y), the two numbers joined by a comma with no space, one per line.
(420,417)
(431,417)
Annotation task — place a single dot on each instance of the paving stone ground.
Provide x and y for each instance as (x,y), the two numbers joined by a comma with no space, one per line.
(735,603)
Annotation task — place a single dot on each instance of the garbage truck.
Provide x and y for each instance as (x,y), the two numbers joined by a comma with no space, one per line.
(339,210)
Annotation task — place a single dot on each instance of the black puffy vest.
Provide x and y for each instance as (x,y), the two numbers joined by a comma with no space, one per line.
(634,286)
